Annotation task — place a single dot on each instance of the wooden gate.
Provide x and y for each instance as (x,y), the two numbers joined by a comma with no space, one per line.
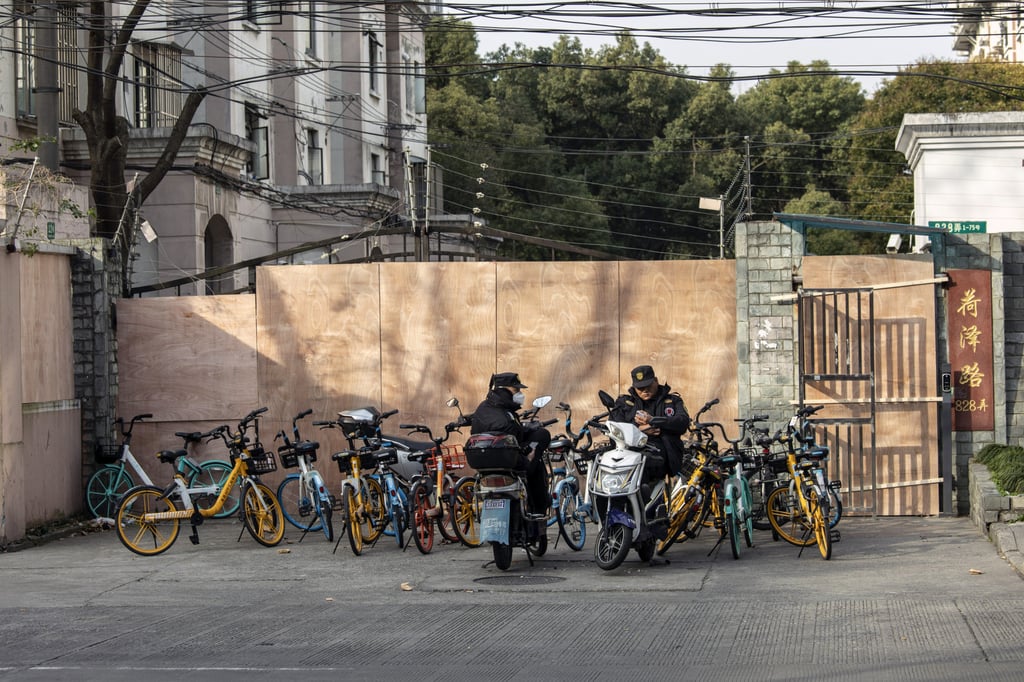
(867,352)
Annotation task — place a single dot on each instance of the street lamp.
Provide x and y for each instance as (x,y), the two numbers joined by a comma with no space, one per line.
(707,204)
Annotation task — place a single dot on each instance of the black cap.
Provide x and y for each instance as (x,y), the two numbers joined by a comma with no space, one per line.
(642,376)
(506,379)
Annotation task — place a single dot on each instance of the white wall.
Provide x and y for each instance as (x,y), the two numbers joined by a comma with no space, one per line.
(967,168)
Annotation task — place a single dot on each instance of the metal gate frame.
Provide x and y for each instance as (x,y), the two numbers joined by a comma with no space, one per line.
(836,331)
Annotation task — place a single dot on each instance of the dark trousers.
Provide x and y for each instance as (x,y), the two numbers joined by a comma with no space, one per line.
(536,472)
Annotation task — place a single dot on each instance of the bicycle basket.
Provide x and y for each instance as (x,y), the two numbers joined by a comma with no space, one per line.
(454,458)
(290,454)
(260,461)
(109,454)
(581,464)
(289,457)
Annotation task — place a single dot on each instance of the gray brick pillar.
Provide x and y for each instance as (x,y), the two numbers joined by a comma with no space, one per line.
(768,255)
(96,286)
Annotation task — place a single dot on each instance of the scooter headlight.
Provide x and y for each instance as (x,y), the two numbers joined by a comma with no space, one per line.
(613,483)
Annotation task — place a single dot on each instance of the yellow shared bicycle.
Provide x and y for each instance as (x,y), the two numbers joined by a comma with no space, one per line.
(148,519)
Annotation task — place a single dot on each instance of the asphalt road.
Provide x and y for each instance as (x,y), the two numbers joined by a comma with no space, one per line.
(902,599)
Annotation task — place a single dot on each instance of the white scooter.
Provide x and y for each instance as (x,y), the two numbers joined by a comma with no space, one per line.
(616,489)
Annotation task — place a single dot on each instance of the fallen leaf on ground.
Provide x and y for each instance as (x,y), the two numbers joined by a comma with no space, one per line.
(284,551)
(975,571)
(407,587)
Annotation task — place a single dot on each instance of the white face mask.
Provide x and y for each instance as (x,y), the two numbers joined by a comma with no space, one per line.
(519,398)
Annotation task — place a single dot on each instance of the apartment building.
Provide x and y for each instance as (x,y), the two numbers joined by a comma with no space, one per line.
(313,130)
(989,30)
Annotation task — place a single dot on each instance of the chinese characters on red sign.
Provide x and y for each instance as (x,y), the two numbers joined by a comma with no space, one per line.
(970,349)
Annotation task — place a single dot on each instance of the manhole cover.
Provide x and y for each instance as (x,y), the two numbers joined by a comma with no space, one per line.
(519,580)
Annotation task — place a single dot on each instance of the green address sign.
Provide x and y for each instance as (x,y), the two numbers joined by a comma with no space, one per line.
(959,226)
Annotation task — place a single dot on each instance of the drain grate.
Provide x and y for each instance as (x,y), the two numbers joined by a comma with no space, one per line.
(519,580)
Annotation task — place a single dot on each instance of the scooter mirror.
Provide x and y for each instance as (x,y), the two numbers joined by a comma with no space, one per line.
(452,402)
(606,399)
(541,401)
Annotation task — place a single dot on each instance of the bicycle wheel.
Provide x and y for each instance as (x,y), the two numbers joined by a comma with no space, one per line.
(398,521)
(746,521)
(261,513)
(759,492)
(446,521)
(325,509)
(105,488)
(147,538)
(732,527)
(296,504)
(375,510)
(571,524)
(681,520)
(355,514)
(215,472)
(420,505)
(819,517)
(466,512)
(835,507)
(787,518)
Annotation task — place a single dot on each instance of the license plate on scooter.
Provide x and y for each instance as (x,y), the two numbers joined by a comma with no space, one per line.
(494,519)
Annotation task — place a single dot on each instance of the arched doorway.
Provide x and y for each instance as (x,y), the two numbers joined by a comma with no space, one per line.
(219,250)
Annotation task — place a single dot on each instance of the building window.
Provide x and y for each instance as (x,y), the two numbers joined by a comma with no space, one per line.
(144,93)
(263,12)
(68,58)
(374,47)
(256,132)
(311,29)
(420,90)
(315,157)
(377,174)
(157,85)
(24,57)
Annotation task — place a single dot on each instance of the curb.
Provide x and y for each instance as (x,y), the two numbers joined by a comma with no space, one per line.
(1008,539)
(35,540)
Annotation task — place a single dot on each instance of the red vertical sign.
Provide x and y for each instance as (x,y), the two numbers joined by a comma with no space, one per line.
(970,349)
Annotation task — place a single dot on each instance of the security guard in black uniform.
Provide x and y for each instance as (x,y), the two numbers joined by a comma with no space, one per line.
(648,399)
(497,414)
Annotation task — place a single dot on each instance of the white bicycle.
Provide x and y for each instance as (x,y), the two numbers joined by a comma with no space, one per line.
(119,471)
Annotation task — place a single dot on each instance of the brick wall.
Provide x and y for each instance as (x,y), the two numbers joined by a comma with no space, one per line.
(96,286)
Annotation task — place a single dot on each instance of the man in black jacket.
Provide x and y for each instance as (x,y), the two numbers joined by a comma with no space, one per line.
(647,400)
(497,414)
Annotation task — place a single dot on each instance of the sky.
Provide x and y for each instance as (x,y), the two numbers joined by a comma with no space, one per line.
(861,39)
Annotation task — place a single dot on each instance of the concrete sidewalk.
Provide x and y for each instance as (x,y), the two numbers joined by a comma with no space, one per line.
(902,599)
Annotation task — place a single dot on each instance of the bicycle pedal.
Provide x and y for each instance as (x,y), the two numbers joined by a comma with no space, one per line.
(834,534)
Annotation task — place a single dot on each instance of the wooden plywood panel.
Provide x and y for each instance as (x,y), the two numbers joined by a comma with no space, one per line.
(439,341)
(48,368)
(187,358)
(319,341)
(558,327)
(680,318)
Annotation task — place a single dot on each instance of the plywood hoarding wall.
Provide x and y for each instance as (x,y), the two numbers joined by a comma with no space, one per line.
(408,336)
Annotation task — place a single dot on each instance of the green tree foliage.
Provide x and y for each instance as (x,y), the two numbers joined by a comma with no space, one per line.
(881,186)
(613,147)
(793,116)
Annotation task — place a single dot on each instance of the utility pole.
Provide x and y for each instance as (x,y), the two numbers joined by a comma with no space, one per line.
(749,211)
(46,85)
